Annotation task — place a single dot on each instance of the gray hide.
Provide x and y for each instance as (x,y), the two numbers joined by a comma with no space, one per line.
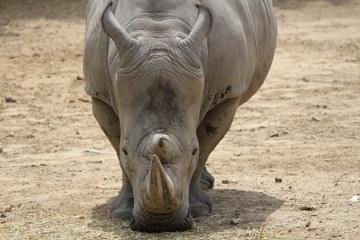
(164,103)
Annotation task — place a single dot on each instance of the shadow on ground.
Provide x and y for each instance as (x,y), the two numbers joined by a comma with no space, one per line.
(294,4)
(253,208)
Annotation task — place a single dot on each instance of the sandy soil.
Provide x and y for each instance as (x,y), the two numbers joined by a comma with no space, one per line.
(58,173)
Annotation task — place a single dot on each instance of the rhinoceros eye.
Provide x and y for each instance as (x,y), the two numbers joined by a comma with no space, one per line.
(194,151)
(124,146)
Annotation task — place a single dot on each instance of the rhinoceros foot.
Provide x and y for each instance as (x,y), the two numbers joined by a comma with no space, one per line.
(207,180)
(121,207)
(200,203)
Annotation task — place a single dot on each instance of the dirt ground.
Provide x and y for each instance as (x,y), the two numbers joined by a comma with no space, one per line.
(58,172)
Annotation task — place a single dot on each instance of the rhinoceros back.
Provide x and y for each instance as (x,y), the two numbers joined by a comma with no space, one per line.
(96,48)
(241,48)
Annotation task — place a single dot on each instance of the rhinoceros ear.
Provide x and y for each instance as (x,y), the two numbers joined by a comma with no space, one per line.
(200,30)
(113,28)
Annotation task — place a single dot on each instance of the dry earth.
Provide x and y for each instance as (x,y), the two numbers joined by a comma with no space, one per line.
(58,173)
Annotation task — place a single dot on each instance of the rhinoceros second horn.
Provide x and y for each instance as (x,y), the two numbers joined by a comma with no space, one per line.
(200,30)
(113,29)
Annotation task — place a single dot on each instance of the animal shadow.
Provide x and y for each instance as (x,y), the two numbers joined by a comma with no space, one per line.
(231,209)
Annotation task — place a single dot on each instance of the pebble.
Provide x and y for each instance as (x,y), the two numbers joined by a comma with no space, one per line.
(285,132)
(11,134)
(278,180)
(312,229)
(92,151)
(354,199)
(235,221)
(274,134)
(125,225)
(10,99)
(307,208)
(316,119)
(322,106)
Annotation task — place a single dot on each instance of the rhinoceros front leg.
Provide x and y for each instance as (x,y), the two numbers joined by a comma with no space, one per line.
(121,207)
(212,129)
(207,180)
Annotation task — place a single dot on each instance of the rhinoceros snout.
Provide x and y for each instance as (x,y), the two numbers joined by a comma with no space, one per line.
(148,222)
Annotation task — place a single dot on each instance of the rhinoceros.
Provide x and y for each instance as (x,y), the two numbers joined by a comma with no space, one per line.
(166,78)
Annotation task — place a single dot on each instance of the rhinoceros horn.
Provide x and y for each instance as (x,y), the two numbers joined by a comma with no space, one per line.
(200,30)
(114,30)
(160,191)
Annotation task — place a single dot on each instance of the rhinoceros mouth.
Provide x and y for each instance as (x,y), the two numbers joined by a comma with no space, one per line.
(145,221)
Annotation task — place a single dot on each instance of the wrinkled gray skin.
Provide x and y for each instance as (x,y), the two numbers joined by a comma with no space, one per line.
(166,77)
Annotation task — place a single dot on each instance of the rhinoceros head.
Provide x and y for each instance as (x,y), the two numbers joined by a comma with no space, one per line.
(158,88)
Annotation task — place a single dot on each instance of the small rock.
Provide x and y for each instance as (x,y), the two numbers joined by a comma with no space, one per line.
(285,132)
(1,150)
(125,225)
(225,182)
(316,119)
(307,208)
(80,78)
(305,79)
(321,106)
(9,208)
(312,229)
(274,134)
(278,180)
(308,224)
(2,215)
(10,99)
(92,151)
(11,134)
(354,199)
(235,221)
